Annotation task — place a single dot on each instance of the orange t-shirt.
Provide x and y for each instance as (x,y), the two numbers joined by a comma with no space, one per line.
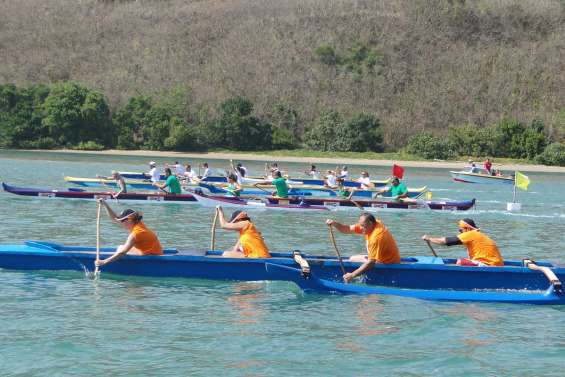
(481,248)
(381,246)
(252,242)
(145,240)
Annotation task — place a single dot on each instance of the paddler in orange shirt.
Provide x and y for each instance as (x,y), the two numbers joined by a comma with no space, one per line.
(250,243)
(381,246)
(141,240)
(481,249)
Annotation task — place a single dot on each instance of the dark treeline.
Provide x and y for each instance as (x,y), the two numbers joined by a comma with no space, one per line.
(70,115)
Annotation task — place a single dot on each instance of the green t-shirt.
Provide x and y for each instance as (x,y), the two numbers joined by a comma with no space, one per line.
(173,184)
(282,188)
(399,189)
(342,193)
(231,190)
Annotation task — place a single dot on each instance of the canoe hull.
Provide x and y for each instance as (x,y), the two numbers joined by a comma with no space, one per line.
(308,204)
(312,283)
(92,195)
(412,273)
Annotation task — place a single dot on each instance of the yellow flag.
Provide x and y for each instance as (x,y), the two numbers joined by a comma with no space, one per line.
(522,181)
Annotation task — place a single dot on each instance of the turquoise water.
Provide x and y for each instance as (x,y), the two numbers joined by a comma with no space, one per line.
(67,324)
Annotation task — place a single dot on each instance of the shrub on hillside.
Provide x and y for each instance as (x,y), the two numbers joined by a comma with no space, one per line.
(74,113)
(21,114)
(470,140)
(285,126)
(430,147)
(553,154)
(237,128)
(332,132)
(89,146)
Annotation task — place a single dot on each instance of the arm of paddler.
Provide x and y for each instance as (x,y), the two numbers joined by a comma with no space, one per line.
(341,227)
(227,225)
(111,214)
(447,241)
(361,270)
(120,252)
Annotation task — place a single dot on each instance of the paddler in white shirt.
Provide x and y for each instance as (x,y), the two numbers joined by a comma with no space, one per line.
(330,180)
(154,172)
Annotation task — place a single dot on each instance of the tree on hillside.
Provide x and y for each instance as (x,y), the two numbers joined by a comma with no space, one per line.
(73,114)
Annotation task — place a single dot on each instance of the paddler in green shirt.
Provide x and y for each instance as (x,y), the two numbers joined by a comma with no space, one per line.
(341,191)
(171,182)
(280,185)
(397,189)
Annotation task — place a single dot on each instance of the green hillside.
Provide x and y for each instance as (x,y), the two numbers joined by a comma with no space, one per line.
(417,65)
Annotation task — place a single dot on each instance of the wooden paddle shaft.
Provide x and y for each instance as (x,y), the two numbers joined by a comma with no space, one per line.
(431,248)
(213,240)
(336,249)
(98,235)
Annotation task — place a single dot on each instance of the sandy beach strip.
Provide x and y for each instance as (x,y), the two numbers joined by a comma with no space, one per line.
(456,165)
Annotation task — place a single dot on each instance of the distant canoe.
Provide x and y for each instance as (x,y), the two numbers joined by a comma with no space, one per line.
(468,177)
(305,190)
(150,197)
(308,204)
(251,179)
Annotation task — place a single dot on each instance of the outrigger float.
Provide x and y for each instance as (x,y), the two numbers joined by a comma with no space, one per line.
(266,202)
(427,278)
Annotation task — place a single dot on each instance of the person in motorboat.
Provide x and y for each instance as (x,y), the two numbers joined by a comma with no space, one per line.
(141,240)
(482,250)
(381,246)
(488,166)
(250,243)
(154,172)
(233,188)
(171,182)
(398,190)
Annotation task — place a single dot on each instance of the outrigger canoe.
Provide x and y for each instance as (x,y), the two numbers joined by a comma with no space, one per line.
(414,273)
(305,190)
(482,178)
(331,204)
(152,197)
(223,179)
(309,282)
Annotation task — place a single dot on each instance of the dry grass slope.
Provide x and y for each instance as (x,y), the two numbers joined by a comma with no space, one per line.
(445,61)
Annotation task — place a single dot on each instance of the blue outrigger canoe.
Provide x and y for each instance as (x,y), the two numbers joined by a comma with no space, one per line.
(552,295)
(222,179)
(420,277)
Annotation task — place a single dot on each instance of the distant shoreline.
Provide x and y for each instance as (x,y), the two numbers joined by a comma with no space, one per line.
(318,160)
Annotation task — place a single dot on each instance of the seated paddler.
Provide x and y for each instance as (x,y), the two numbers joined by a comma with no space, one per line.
(141,240)
(398,190)
(250,243)
(381,246)
(481,249)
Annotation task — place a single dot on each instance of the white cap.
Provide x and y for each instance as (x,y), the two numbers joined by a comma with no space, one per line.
(152,163)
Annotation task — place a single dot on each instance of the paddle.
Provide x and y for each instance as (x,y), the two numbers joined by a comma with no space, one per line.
(256,185)
(96,269)
(213,240)
(336,249)
(431,248)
